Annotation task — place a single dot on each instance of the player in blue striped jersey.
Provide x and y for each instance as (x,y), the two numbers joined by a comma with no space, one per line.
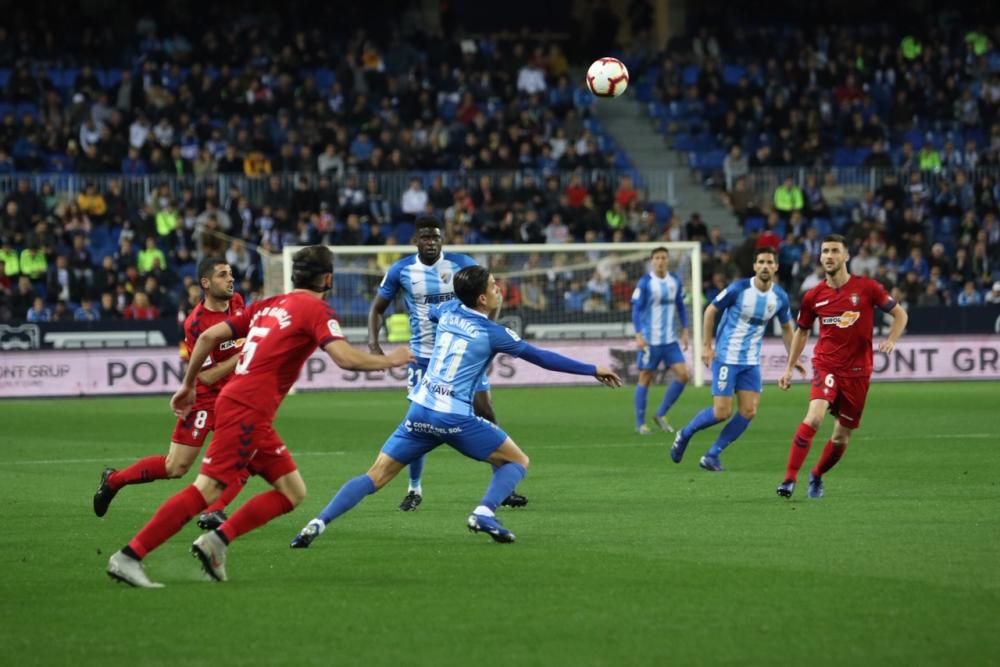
(441,408)
(747,306)
(657,311)
(425,279)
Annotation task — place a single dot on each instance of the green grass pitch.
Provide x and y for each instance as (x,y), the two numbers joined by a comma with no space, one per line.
(622,558)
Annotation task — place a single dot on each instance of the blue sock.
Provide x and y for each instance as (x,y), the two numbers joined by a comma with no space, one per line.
(350,494)
(505,480)
(673,393)
(640,404)
(732,430)
(416,472)
(702,420)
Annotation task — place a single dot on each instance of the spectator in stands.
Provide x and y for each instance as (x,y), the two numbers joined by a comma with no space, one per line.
(86,312)
(969,296)
(33,261)
(735,166)
(695,229)
(994,296)
(38,312)
(140,308)
(149,256)
(788,197)
(109,310)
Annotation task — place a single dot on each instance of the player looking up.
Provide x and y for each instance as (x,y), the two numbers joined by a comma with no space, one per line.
(281,332)
(219,303)
(425,279)
(441,407)
(657,309)
(845,306)
(747,306)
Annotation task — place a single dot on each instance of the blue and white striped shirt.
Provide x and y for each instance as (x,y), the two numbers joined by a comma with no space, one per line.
(423,286)
(747,311)
(658,307)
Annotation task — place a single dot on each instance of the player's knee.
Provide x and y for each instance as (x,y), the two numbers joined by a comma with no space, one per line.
(840,439)
(749,412)
(523,460)
(722,412)
(683,376)
(813,421)
(176,468)
(295,495)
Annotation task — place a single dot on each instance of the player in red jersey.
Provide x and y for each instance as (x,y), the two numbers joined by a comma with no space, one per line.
(281,333)
(842,359)
(219,303)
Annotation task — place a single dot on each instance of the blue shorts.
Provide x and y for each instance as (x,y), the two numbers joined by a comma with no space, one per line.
(424,429)
(416,370)
(728,378)
(651,358)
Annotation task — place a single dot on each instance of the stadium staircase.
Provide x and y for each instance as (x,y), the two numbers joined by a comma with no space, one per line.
(649,154)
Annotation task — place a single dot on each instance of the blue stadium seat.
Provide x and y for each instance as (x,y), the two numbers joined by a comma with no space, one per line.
(690,75)
(754,225)
(403,231)
(823,226)
(661,211)
(731,74)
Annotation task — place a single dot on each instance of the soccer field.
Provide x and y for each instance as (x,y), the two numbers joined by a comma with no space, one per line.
(622,557)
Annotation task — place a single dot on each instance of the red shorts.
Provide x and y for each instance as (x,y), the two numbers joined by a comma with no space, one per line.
(193,429)
(846,396)
(245,442)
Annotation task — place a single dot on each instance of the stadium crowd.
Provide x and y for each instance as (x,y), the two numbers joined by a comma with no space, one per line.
(257,137)
(919,112)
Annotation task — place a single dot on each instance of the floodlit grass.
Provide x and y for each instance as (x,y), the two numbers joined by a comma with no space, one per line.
(622,557)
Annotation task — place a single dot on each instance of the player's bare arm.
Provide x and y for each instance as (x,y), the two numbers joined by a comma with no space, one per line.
(607,377)
(685,338)
(640,341)
(183,398)
(798,344)
(708,348)
(350,358)
(218,371)
(375,316)
(787,334)
(899,320)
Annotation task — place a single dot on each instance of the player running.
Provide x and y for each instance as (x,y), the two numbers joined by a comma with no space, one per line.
(842,359)
(425,279)
(657,308)
(220,302)
(747,305)
(441,407)
(281,332)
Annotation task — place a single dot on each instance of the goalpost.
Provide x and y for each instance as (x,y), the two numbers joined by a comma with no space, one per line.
(566,291)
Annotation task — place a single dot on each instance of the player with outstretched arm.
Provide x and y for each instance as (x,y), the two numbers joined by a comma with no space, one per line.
(845,306)
(441,407)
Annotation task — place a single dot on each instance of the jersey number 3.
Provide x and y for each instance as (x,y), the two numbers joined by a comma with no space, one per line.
(254,336)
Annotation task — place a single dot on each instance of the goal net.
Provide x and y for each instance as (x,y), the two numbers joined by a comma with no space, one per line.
(551,291)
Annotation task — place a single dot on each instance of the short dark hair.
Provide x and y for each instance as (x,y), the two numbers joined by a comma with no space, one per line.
(427,222)
(660,249)
(206,267)
(765,250)
(835,238)
(309,265)
(470,283)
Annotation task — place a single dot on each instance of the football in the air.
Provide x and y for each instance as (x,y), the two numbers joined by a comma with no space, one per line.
(607,77)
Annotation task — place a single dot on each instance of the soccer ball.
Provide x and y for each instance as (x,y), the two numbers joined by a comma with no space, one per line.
(607,77)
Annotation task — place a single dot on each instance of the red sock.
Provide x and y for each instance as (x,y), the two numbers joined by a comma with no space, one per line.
(228,494)
(255,513)
(831,454)
(800,450)
(168,520)
(142,471)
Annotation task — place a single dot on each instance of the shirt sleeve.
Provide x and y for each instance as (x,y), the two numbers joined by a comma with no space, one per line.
(880,298)
(389,286)
(727,297)
(240,324)
(682,314)
(325,326)
(807,314)
(784,309)
(640,296)
(505,340)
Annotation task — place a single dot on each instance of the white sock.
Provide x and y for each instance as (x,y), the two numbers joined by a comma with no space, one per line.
(483,510)
(319,524)
(416,489)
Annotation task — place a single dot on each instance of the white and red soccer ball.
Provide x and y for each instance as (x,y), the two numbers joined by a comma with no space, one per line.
(607,77)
